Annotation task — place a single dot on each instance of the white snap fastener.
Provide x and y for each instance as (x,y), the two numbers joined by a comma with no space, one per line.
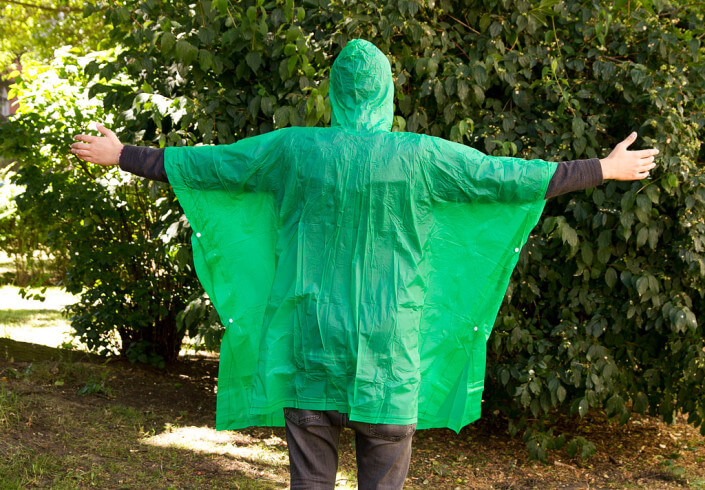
(198,235)
(516,250)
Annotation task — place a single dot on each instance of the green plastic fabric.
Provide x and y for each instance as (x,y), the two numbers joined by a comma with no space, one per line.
(355,269)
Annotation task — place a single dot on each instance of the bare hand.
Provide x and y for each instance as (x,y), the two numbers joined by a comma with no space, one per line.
(103,150)
(622,164)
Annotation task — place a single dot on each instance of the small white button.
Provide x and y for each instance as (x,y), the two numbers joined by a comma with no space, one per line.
(198,235)
(230,321)
(516,250)
(476,329)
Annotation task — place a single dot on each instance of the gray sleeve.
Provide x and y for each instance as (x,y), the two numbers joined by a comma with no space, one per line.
(144,161)
(574,176)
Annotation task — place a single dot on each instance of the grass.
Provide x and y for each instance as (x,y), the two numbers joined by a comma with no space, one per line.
(71,440)
(9,408)
(34,321)
(115,425)
(146,428)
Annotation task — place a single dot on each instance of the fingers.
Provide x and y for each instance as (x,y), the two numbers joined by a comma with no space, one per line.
(651,152)
(645,168)
(83,154)
(80,146)
(645,171)
(87,138)
(104,131)
(628,140)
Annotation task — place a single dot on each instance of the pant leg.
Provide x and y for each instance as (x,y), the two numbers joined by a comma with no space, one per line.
(383,454)
(312,438)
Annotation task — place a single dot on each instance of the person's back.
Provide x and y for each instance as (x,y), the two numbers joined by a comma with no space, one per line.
(358,270)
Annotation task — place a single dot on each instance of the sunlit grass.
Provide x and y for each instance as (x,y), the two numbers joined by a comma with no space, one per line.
(46,327)
(38,322)
(207,440)
(263,454)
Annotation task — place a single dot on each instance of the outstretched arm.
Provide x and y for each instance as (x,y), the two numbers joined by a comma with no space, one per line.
(621,164)
(144,161)
(252,164)
(461,173)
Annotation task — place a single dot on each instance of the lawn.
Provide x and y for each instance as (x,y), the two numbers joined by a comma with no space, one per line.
(111,424)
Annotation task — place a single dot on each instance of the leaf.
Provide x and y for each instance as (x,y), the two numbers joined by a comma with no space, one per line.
(186,52)
(586,253)
(221,5)
(640,403)
(267,106)
(587,450)
(642,236)
(611,277)
(583,407)
(289,10)
(281,116)
(206,35)
(578,125)
(205,59)
(561,393)
(291,65)
(253,60)
(642,285)
(495,29)
(485,21)
(167,42)
(568,234)
(504,376)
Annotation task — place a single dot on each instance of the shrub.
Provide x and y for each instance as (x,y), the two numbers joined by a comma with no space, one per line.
(126,247)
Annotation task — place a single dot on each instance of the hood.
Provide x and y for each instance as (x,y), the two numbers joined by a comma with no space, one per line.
(361,88)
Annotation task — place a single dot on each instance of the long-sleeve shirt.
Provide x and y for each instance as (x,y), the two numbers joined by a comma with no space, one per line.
(570,176)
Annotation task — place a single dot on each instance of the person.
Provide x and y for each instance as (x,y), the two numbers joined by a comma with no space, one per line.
(358,271)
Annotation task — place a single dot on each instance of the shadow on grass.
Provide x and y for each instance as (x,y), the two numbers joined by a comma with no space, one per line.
(52,436)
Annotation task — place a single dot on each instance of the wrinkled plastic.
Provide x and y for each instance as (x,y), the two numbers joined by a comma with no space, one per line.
(355,269)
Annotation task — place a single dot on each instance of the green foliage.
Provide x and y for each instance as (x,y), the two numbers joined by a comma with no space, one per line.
(95,386)
(37,31)
(24,244)
(129,263)
(605,308)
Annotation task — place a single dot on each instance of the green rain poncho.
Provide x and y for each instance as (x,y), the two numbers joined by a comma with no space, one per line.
(355,269)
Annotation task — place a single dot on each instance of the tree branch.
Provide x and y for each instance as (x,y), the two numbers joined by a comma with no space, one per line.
(42,7)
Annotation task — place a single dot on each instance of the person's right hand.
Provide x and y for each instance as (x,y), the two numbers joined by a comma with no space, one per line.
(622,164)
(103,150)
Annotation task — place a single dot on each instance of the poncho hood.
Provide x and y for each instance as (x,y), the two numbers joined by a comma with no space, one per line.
(361,88)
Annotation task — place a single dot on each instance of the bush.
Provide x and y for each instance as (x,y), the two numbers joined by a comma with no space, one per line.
(22,243)
(125,243)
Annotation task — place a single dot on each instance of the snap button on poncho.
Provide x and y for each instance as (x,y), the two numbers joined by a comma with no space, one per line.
(355,262)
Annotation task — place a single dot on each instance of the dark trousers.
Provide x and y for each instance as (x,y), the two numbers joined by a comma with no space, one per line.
(383,451)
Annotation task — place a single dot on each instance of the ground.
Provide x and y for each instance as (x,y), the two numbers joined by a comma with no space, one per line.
(71,424)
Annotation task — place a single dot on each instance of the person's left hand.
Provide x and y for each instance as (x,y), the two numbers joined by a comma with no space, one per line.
(103,150)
